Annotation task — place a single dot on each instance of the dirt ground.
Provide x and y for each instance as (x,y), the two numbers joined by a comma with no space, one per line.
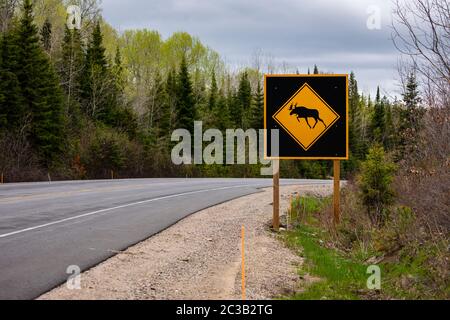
(199,258)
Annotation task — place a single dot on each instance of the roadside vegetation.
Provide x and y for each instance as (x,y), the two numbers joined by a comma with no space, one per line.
(395,206)
(410,246)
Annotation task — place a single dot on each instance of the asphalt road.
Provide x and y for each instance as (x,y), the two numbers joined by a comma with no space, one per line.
(45,228)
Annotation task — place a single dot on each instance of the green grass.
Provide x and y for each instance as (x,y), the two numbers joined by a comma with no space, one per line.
(340,278)
(343,276)
(303,208)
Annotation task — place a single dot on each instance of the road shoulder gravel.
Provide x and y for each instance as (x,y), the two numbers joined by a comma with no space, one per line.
(199,258)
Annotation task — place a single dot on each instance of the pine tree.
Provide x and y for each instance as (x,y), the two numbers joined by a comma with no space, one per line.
(235,109)
(12,112)
(95,54)
(40,90)
(96,79)
(258,108)
(389,136)
(186,112)
(378,119)
(375,185)
(118,82)
(316,69)
(241,111)
(410,116)
(116,112)
(164,114)
(118,71)
(46,35)
(353,114)
(221,113)
(213,92)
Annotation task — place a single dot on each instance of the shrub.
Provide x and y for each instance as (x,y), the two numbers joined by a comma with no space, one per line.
(375,185)
(105,152)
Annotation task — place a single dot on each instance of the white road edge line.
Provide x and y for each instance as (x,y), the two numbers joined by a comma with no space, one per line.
(119,207)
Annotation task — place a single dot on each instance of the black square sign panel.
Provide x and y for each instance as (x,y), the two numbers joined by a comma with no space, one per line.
(311,114)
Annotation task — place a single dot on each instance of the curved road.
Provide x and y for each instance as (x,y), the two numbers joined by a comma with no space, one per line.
(45,228)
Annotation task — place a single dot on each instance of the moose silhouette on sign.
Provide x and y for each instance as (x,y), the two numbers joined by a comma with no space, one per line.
(305,113)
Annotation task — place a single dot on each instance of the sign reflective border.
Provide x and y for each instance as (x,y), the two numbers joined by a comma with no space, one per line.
(311,114)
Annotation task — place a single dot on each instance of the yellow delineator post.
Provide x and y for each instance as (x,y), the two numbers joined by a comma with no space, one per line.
(289,214)
(337,192)
(276,195)
(243,263)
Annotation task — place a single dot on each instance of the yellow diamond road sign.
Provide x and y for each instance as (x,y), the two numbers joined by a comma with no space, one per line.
(306,117)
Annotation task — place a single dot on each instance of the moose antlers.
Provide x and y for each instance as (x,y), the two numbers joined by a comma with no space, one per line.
(293,106)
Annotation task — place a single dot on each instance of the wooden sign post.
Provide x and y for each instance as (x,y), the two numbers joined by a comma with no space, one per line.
(337,192)
(311,114)
(276,195)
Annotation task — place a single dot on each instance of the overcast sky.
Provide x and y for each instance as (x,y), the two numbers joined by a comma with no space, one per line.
(330,33)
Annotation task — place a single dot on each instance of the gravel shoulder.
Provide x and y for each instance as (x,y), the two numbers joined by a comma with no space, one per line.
(199,258)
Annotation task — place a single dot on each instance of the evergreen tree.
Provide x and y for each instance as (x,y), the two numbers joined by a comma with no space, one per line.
(213,92)
(96,80)
(40,90)
(12,112)
(258,108)
(389,137)
(46,35)
(410,116)
(164,114)
(116,112)
(95,55)
(234,106)
(119,71)
(221,113)
(316,69)
(378,119)
(355,137)
(241,110)
(186,112)
(118,82)
(375,185)
(354,134)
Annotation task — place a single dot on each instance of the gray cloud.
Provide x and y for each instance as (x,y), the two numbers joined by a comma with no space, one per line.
(332,34)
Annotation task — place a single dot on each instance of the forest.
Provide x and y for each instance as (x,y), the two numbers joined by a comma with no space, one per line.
(95,103)
(98,103)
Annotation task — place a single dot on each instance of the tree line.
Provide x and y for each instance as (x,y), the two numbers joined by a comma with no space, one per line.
(90,102)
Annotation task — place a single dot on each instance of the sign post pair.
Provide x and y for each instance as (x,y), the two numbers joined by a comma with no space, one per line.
(311,114)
